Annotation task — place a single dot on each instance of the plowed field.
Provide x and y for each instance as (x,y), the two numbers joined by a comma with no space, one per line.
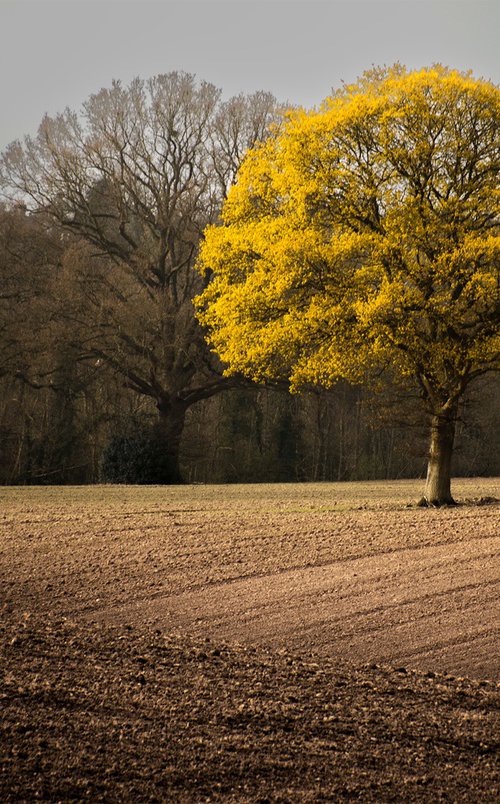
(286,642)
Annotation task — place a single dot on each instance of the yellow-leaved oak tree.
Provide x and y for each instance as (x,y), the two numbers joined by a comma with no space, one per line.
(362,238)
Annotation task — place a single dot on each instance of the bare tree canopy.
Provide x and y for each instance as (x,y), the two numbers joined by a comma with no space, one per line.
(136,176)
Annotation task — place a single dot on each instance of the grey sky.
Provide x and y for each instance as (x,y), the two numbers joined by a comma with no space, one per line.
(55,53)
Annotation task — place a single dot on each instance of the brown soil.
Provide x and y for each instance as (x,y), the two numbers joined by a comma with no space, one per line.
(283,643)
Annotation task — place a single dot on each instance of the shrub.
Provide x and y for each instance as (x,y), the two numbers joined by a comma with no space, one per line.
(138,459)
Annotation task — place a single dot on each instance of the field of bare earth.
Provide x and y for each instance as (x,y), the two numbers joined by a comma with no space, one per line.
(319,642)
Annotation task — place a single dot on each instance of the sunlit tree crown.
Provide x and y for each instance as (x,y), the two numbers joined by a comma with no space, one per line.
(364,235)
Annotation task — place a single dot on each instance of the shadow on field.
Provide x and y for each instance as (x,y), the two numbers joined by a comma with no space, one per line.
(111,714)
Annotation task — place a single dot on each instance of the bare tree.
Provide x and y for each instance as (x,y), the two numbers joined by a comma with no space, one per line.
(137,175)
(239,123)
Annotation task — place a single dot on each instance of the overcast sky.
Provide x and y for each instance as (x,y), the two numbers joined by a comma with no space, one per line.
(55,53)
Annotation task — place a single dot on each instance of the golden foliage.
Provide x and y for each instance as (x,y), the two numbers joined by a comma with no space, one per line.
(365,234)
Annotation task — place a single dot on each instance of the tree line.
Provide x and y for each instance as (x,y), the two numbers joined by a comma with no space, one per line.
(105,371)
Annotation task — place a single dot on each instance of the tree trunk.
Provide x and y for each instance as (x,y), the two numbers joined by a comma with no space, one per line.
(171,418)
(438,483)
